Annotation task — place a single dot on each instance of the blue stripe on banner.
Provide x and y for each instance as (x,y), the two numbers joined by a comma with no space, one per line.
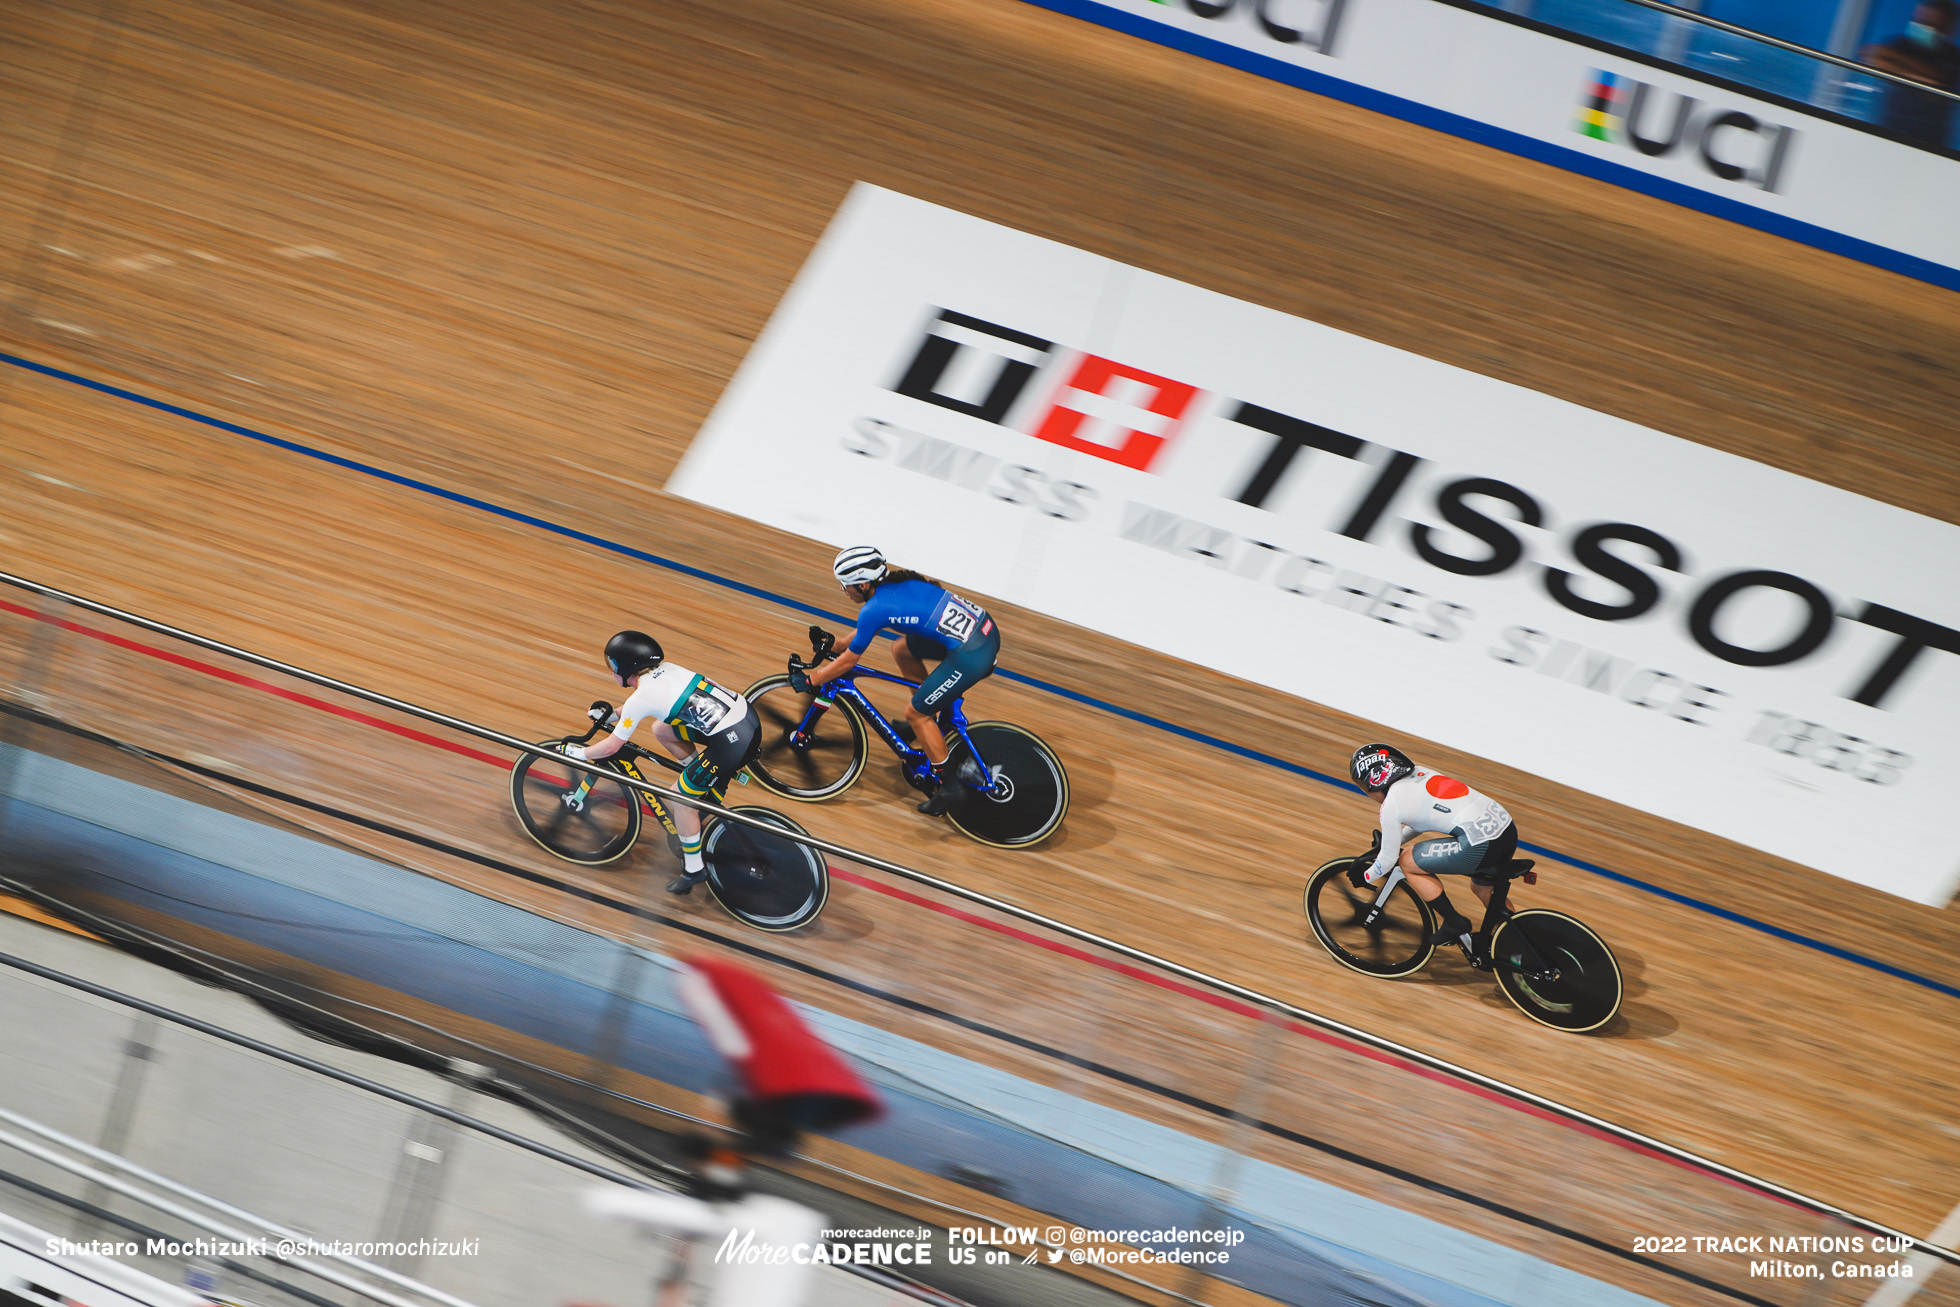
(1047,687)
(1500,138)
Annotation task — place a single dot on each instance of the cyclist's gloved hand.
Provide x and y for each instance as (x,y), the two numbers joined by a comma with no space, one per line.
(576,751)
(799,676)
(602,712)
(1358,872)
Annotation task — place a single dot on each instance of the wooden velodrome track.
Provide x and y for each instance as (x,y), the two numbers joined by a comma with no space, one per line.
(516,251)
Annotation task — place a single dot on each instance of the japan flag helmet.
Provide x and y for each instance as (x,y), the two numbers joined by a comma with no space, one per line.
(1375,767)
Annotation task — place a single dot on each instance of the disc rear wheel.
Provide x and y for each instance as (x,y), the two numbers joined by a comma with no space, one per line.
(1556,970)
(1018,797)
(761,878)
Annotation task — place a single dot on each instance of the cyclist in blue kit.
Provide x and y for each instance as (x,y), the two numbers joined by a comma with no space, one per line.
(934,624)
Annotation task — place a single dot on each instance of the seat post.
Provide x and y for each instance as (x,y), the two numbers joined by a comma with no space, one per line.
(1500,897)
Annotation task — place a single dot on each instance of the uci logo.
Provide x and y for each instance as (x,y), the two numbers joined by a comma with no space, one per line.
(1625,112)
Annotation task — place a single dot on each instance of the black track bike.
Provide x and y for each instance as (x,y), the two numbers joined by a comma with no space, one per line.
(760,878)
(1551,966)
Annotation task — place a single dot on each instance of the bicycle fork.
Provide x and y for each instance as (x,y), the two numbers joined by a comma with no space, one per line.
(800,737)
(1380,905)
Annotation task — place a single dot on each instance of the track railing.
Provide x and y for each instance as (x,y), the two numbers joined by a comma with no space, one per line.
(1360,1040)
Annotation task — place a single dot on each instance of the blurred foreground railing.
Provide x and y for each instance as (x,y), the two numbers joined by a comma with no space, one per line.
(1226,1103)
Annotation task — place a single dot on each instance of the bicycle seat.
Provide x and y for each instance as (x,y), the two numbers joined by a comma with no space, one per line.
(1520,869)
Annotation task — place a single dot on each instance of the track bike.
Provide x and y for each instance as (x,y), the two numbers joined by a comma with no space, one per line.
(814,748)
(1551,966)
(760,878)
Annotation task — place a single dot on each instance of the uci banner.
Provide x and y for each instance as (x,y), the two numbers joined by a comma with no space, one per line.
(1724,644)
(1796,172)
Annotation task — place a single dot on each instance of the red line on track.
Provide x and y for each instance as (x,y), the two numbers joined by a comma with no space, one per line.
(1134,972)
(238,678)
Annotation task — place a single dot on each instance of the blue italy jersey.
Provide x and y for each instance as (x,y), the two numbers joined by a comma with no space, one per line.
(920,608)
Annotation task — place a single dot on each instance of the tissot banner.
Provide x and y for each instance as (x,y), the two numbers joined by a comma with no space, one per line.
(1727,645)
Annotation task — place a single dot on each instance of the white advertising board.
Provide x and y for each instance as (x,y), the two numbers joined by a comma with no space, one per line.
(1778,161)
(1670,627)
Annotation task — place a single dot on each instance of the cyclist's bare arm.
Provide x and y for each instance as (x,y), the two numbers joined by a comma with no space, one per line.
(833,669)
(604,749)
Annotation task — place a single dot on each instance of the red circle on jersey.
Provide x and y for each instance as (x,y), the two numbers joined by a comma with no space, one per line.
(1445,788)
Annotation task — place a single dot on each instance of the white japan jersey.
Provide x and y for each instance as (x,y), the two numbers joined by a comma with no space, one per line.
(670,693)
(1430,801)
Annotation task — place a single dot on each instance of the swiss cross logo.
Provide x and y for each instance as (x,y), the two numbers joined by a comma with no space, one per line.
(1115,411)
(1103,407)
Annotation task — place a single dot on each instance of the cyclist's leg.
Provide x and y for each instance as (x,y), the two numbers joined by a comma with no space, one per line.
(961,670)
(1424,860)
(687,824)
(911,656)
(1426,886)
(722,755)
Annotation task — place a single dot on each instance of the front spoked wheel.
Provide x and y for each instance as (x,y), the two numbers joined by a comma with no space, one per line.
(1556,970)
(1386,939)
(763,879)
(806,755)
(1020,793)
(572,815)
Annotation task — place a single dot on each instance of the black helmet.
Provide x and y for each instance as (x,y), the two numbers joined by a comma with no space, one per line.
(631,652)
(1375,767)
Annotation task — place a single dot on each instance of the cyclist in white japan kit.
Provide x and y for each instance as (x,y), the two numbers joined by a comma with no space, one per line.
(1415,801)
(694,720)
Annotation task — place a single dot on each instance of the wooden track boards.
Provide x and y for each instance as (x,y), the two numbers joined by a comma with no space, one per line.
(516,251)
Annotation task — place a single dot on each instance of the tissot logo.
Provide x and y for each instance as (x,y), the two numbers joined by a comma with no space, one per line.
(1514,576)
(1129,416)
(1735,146)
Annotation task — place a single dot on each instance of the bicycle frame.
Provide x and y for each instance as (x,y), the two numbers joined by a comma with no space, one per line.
(624,760)
(846,688)
(1534,968)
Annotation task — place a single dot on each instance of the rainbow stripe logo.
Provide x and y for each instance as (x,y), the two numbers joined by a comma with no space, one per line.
(1603,106)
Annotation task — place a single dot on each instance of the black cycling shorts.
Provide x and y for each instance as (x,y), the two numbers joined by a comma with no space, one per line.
(959,669)
(1455,855)
(722,755)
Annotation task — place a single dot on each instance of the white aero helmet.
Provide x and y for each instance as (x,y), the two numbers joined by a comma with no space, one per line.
(858,565)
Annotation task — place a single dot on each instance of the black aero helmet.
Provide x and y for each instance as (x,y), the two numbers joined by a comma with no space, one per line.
(1375,767)
(632,652)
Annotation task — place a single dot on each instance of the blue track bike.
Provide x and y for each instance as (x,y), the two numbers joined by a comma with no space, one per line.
(814,748)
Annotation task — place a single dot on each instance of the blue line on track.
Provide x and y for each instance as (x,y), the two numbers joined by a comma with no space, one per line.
(1063,692)
(1500,138)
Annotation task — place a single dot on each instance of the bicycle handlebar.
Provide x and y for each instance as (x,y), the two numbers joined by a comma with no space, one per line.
(822,645)
(630,750)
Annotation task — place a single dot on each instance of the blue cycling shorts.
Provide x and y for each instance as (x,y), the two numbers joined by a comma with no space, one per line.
(959,669)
